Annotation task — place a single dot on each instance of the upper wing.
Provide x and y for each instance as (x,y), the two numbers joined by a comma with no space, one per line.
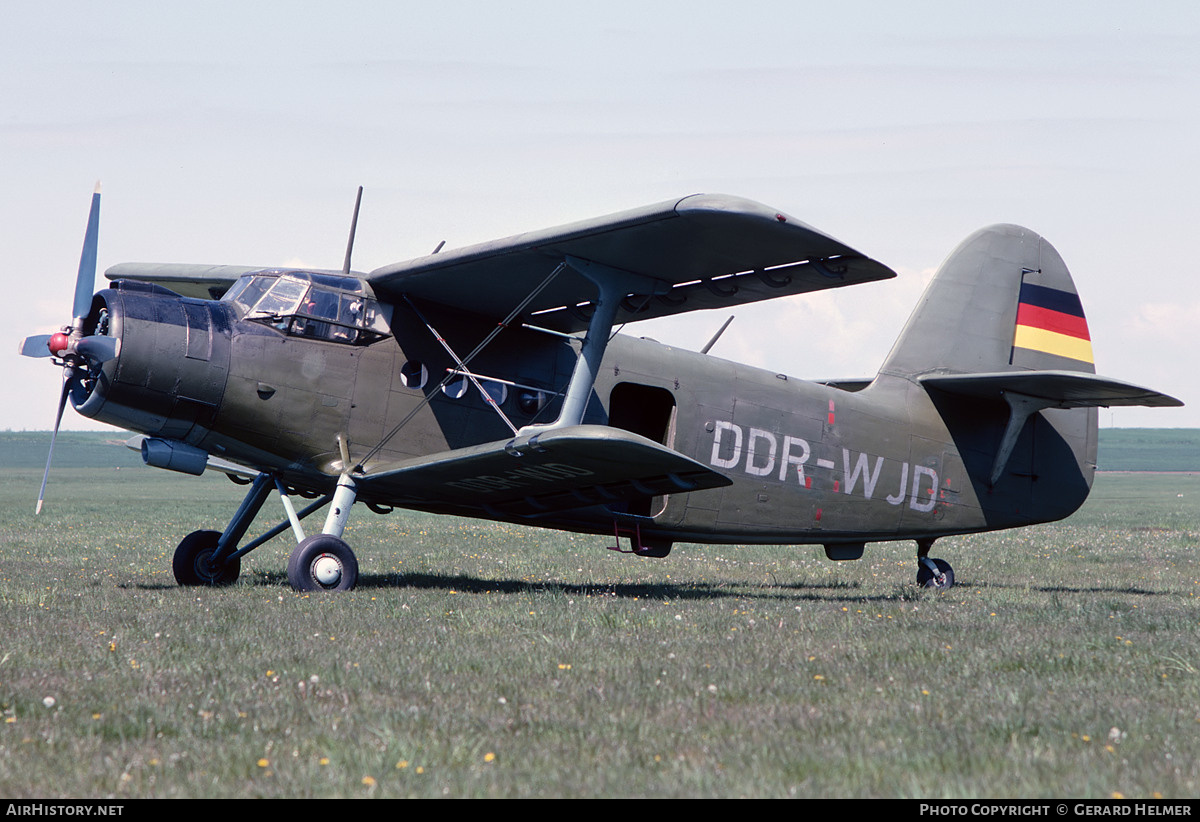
(704,251)
(204,282)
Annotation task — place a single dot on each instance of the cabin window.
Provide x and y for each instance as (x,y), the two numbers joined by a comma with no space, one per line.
(498,391)
(414,374)
(456,389)
(531,400)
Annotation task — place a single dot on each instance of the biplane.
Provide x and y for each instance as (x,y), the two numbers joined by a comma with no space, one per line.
(488,381)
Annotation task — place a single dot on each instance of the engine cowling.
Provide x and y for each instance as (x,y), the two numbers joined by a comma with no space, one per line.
(169,376)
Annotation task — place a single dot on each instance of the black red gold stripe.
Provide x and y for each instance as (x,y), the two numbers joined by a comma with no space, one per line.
(1051,321)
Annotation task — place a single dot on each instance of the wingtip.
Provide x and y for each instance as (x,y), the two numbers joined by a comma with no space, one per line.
(96,190)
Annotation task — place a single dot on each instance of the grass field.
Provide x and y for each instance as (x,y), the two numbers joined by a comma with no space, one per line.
(479,660)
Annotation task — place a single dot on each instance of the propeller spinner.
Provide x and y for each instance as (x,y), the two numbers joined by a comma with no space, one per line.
(79,356)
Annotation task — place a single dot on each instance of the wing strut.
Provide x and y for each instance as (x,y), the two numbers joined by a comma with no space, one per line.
(462,367)
(516,312)
(1020,408)
(613,285)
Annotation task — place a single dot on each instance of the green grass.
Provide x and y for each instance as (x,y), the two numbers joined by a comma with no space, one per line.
(481,660)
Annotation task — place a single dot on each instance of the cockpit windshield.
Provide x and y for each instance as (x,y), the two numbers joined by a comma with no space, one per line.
(300,304)
(282,298)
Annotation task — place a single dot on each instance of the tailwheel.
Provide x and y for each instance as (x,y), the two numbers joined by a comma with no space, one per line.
(193,563)
(932,573)
(322,562)
(935,573)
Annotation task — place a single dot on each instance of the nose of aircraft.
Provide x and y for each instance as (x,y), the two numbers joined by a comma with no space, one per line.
(172,360)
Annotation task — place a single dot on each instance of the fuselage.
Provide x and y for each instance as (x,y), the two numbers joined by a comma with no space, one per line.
(283,392)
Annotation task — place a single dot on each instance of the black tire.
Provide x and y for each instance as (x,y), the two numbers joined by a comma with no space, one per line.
(192,563)
(322,562)
(926,579)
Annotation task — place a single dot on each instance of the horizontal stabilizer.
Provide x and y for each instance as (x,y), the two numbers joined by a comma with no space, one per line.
(556,470)
(1058,389)
(1028,392)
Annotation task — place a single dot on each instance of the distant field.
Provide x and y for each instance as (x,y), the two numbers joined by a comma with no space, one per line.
(74,449)
(1149,449)
(481,660)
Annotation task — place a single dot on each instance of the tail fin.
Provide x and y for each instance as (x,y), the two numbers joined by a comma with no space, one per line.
(1002,301)
(999,337)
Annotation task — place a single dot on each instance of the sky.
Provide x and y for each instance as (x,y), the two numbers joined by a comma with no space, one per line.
(238,133)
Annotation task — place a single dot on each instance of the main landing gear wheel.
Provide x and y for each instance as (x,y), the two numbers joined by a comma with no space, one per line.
(322,562)
(940,580)
(193,561)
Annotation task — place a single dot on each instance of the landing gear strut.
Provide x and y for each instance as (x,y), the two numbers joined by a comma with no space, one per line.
(322,562)
(208,557)
(932,573)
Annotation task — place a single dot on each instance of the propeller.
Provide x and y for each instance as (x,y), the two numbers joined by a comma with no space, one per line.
(78,355)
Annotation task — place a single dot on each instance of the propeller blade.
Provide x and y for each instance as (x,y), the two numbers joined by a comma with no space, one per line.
(95,349)
(35,346)
(68,375)
(98,349)
(85,282)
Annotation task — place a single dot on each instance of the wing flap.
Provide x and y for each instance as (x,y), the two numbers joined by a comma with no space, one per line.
(704,251)
(558,470)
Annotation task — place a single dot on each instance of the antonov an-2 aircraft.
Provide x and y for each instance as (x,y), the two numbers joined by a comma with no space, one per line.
(488,382)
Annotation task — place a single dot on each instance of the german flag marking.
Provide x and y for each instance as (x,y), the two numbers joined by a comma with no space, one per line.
(1051,321)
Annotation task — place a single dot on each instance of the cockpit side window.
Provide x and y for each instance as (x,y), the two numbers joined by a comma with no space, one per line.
(350,311)
(321,303)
